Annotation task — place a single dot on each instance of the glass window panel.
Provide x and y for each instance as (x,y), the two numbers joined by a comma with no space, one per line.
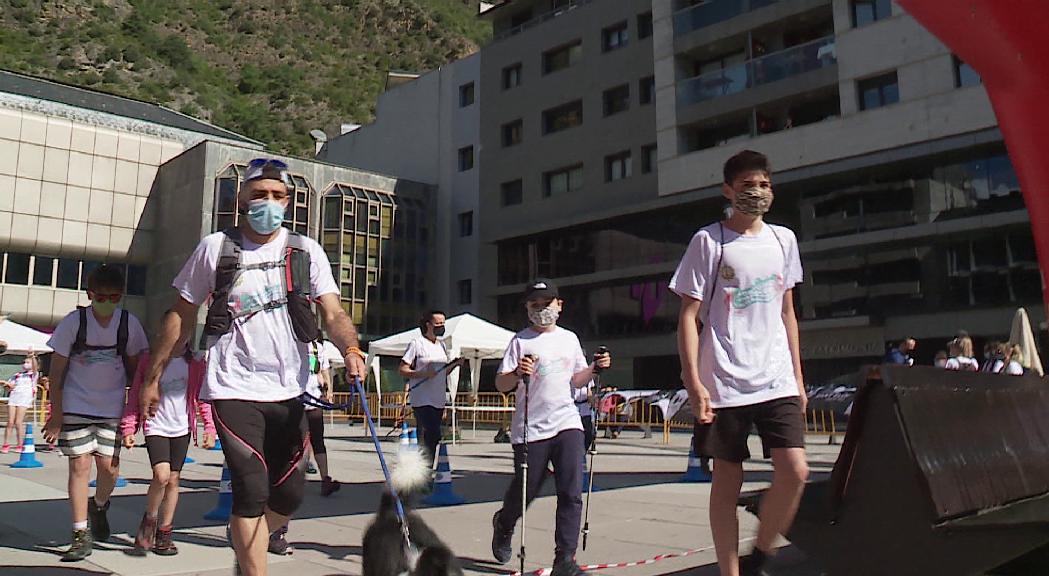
(68,274)
(332,211)
(42,271)
(136,280)
(224,221)
(227,195)
(360,283)
(17,269)
(302,214)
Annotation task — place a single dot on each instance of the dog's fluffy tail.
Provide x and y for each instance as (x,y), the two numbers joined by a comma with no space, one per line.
(411,473)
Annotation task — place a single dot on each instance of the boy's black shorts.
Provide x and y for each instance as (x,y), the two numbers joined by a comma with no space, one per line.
(779,422)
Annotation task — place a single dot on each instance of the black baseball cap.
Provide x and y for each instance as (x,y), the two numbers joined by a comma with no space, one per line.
(539,289)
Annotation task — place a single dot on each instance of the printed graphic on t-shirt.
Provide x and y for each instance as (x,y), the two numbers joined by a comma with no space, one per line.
(548,368)
(762,291)
(251,302)
(94,357)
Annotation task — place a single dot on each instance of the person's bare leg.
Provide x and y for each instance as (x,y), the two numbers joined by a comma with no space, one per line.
(108,469)
(724,521)
(250,540)
(276,521)
(167,510)
(20,425)
(780,502)
(79,475)
(7,429)
(157,488)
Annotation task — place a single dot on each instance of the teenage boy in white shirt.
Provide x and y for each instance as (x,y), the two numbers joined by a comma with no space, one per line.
(554,361)
(743,368)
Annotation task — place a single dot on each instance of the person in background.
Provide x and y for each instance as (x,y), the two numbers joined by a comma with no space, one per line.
(320,386)
(1013,360)
(960,355)
(993,356)
(901,354)
(426,366)
(940,360)
(22,387)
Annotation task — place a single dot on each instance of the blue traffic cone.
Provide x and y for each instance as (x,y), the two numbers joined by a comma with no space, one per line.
(413,439)
(443,494)
(217,446)
(695,471)
(224,506)
(120,483)
(404,443)
(189,460)
(28,457)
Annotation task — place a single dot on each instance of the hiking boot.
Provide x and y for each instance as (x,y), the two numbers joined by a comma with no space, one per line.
(310,468)
(81,546)
(502,541)
(329,486)
(164,546)
(567,567)
(279,544)
(96,517)
(147,532)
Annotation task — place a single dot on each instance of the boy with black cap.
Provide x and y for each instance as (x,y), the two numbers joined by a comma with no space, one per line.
(552,358)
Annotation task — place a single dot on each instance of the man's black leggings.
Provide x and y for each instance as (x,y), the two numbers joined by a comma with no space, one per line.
(565,451)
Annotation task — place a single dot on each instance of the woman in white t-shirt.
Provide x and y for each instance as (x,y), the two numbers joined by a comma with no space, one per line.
(960,355)
(426,365)
(167,439)
(1013,361)
(23,390)
(319,386)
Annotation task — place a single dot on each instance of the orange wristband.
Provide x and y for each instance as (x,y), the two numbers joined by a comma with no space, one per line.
(357,351)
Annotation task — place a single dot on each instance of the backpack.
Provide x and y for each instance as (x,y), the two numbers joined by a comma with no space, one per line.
(296,264)
(80,344)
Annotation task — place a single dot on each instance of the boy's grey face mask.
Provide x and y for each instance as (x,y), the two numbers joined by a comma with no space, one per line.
(753,201)
(543,318)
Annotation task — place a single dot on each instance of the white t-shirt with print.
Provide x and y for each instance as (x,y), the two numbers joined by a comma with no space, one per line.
(95,380)
(172,419)
(581,397)
(259,359)
(313,386)
(744,356)
(963,364)
(424,355)
(551,397)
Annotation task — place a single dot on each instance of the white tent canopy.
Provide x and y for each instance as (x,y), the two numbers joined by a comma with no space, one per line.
(22,339)
(466,336)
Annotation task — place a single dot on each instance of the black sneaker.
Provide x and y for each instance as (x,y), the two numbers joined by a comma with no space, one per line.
(502,541)
(279,544)
(567,567)
(753,565)
(81,546)
(97,518)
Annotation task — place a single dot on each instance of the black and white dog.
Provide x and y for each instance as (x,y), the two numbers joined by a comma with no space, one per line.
(384,548)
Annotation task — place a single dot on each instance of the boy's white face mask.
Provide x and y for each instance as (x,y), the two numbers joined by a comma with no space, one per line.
(545,317)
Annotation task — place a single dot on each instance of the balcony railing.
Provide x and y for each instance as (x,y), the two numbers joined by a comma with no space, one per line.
(711,12)
(765,70)
(570,5)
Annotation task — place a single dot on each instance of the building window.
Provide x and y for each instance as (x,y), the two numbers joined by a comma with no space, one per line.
(512,133)
(136,280)
(512,192)
(466,224)
(466,291)
(867,11)
(616,99)
(226,187)
(644,25)
(466,95)
(562,180)
(965,75)
(512,76)
(878,91)
(646,90)
(68,274)
(648,158)
(617,166)
(43,270)
(466,158)
(614,37)
(563,117)
(16,270)
(562,57)
(297,214)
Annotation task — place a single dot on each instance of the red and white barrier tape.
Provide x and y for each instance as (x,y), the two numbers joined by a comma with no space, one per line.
(653,560)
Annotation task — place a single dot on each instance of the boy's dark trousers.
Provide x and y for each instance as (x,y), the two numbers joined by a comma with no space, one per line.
(565,451)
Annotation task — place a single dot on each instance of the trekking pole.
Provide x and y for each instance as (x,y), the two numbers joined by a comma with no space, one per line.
(592,450)
(527,379)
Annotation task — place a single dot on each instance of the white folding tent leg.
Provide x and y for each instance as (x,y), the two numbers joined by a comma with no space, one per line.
(374,364)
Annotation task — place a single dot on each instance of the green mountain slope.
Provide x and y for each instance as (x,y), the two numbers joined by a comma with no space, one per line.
(272,70)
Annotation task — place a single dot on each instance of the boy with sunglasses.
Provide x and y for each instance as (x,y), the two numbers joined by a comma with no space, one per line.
(95,350)
(258,345)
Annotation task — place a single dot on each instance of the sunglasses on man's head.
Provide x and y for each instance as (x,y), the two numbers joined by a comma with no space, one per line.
(114,298)
(278,164)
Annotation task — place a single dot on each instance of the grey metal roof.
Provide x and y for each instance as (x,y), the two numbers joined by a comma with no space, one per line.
(43,89)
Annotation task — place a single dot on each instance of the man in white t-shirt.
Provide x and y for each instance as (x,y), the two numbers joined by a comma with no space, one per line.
(426,366)
(553,360)
(95,352)
(259,330)
(743,369)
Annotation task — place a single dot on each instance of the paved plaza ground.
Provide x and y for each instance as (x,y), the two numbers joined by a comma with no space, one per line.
(640,511)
